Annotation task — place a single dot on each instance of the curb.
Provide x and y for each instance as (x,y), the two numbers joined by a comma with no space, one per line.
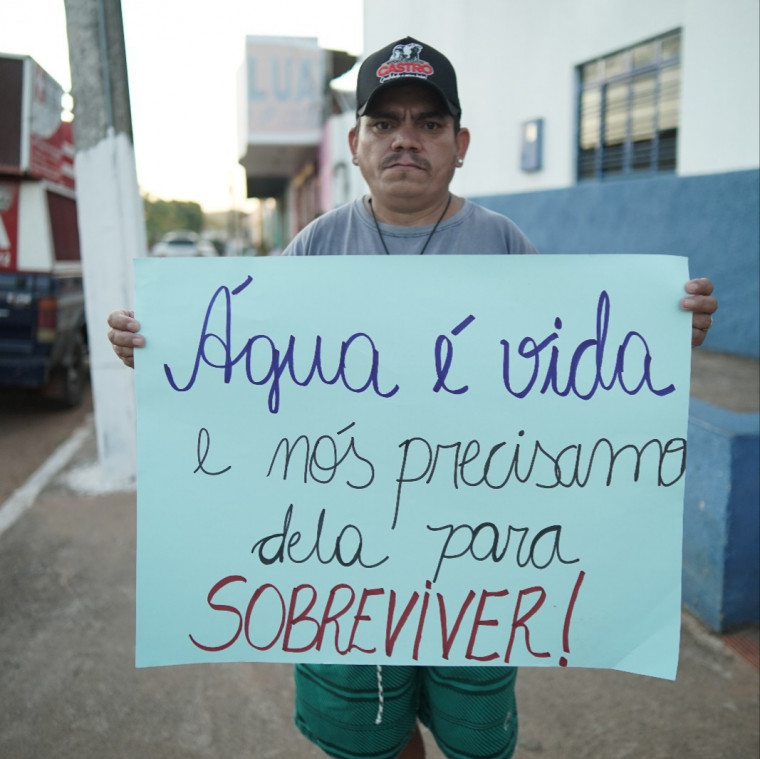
(23,497)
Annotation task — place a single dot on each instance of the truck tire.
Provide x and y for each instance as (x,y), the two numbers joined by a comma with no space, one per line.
(73,377)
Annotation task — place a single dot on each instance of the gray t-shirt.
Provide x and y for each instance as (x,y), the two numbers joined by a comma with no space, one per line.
(350,230)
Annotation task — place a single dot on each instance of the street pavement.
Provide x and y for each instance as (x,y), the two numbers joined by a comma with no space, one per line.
(69,688)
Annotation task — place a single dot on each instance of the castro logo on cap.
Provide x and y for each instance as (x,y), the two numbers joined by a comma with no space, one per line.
(405,61)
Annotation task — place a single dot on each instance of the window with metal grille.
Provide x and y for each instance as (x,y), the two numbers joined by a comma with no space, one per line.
(628,107)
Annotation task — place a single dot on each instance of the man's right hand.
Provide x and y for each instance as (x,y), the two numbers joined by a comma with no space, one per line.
(124,337)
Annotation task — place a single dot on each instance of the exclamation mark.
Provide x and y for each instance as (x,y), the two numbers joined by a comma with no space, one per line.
(568,617)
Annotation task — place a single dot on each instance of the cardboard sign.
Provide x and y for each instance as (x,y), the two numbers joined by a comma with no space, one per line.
(454,460)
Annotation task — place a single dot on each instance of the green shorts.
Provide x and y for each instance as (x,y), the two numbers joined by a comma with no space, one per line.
(369,712)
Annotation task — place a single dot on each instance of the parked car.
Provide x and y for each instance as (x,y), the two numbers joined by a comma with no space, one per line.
(182,242)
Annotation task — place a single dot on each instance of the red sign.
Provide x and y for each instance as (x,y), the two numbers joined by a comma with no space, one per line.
(51,143)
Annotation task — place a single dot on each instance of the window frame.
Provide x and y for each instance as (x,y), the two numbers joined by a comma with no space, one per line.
(603,160)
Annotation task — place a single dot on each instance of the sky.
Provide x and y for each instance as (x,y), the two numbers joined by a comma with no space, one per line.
(183,58)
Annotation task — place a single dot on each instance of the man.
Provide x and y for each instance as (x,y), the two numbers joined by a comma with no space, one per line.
(408,143)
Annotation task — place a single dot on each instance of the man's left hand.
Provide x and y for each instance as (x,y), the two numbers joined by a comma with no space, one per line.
(702,305)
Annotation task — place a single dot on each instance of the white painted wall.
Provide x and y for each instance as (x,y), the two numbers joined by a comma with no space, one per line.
(516,60)
(35,237)
(721,87)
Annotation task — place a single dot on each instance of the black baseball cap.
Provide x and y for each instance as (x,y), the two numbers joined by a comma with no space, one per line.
(402,62)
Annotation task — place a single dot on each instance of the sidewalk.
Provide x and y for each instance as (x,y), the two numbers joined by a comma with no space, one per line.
(70,689)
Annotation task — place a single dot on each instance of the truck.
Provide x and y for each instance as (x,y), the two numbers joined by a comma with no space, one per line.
(43,334)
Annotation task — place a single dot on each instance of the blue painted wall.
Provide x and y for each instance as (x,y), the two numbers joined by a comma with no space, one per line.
(713,219)
(721,542)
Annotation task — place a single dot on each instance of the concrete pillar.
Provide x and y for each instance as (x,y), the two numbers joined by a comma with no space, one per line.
(111,221)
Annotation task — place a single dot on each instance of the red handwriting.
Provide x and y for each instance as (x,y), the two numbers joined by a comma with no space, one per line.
(305,619)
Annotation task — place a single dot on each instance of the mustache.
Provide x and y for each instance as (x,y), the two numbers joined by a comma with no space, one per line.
(418,161)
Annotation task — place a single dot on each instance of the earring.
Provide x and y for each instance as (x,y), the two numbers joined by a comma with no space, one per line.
(460,161)
(355,161)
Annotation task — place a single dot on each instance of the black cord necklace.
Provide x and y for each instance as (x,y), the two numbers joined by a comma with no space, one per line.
(429,237)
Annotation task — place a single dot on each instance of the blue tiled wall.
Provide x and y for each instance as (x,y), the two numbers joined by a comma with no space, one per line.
(712,219)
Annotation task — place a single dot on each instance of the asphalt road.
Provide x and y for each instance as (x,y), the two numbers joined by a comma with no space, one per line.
(30,430)
(69,688)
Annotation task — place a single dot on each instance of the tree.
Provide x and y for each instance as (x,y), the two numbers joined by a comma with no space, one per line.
(162,216)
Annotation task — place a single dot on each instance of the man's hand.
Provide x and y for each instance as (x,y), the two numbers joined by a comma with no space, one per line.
(124,337)
(702,305)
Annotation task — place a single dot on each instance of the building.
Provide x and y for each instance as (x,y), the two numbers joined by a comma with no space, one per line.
(284,103)
(598,126)
(602,126)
